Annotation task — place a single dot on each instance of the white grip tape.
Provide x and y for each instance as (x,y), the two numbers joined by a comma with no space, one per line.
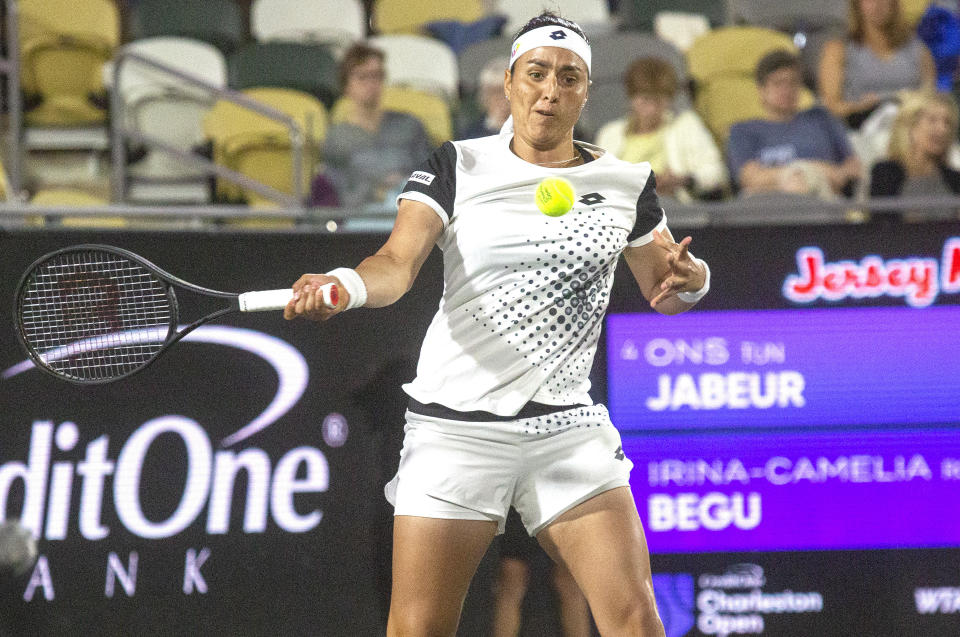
(693,297)
(266,300)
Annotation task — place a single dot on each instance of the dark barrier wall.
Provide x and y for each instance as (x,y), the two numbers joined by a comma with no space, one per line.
(235,487)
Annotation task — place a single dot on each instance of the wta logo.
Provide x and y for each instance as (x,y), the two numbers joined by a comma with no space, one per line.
(211,480)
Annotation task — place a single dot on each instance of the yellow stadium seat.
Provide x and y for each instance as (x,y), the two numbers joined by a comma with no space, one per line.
(913,10)
(730,99)
(409,16)
(733,50)
(74,198)
(260,147)
(63,46)
(722,64)
(431,110)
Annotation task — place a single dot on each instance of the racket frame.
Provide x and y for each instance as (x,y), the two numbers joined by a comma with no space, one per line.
(173,335)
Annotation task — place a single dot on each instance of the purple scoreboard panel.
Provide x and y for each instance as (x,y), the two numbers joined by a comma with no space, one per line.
(791,429)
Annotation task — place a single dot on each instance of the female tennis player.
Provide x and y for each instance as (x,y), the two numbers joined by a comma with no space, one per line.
(499,411)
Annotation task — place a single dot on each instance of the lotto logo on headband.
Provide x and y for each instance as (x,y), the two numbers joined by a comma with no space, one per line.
(551,35)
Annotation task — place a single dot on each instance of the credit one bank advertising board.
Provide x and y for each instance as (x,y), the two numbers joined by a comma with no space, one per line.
(798,429)
(233,488)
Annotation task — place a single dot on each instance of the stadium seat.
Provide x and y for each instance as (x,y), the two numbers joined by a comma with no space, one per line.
(310,68)
(913,10)
(420,63)
(680,29)
(722,65)
(614,53)
(260,147)
(63,46)
(733,50)
(472,60)
(410,16)
(729,99)
(640,14)
(219,22)
(789,16)
(165,107)
(76,198)
(333,22)
(592,15)
(432,111)
(608,101)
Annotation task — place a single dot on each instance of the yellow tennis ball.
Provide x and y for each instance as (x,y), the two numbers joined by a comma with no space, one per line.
(554,196)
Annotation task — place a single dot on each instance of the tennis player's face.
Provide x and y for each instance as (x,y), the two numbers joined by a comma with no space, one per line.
(547,90)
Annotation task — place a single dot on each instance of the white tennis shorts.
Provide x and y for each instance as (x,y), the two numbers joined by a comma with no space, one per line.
(543,466)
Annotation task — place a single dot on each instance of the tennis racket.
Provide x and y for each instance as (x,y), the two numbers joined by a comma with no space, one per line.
(95,313)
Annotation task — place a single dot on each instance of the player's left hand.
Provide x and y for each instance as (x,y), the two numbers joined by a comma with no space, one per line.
(684,274)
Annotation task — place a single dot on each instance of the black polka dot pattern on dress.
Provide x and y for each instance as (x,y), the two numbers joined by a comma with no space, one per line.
(578,417)
(553,310)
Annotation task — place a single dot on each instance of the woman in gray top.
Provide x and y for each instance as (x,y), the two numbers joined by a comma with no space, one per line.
(880,56)
(370,151)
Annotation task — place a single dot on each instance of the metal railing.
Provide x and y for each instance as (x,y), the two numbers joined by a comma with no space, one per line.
(751,211)
(121,133)
(10,66)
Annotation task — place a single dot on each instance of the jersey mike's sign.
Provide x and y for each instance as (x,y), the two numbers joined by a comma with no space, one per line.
(917,280)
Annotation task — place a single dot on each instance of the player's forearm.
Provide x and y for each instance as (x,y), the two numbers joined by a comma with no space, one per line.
(386,279)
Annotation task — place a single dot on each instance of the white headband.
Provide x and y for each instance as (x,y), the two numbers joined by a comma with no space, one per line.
(551,35)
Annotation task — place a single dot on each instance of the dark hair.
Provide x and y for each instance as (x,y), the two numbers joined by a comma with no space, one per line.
(353,57)
(546,19)
(651,75)
(774,61)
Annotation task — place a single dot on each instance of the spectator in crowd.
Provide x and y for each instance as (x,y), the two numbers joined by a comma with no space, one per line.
(923,132)
(370,151)
(789,150)
(880,56)
(519,554)
(680,149)
(493,102)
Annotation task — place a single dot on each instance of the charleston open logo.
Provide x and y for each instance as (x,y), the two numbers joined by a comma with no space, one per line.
(209,486)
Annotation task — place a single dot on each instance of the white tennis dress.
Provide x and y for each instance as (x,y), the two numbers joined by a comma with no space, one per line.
(524,294)
(522,309)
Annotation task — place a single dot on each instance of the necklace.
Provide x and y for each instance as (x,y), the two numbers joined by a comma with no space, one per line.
(562,162)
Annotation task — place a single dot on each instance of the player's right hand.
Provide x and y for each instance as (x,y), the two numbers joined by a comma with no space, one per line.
(307,301)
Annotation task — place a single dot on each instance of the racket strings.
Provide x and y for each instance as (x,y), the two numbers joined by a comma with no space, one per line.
(95,315)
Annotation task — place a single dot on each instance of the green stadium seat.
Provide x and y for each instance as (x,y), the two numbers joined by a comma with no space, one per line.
(310,68)
(218,22)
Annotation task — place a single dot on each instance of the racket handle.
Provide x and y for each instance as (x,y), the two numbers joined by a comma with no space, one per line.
(267,300)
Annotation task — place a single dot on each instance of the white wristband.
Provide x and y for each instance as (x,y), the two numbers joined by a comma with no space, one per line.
(693,297)
(353,284)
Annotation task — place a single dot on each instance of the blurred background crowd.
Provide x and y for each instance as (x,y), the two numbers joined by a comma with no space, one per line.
(285,103)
